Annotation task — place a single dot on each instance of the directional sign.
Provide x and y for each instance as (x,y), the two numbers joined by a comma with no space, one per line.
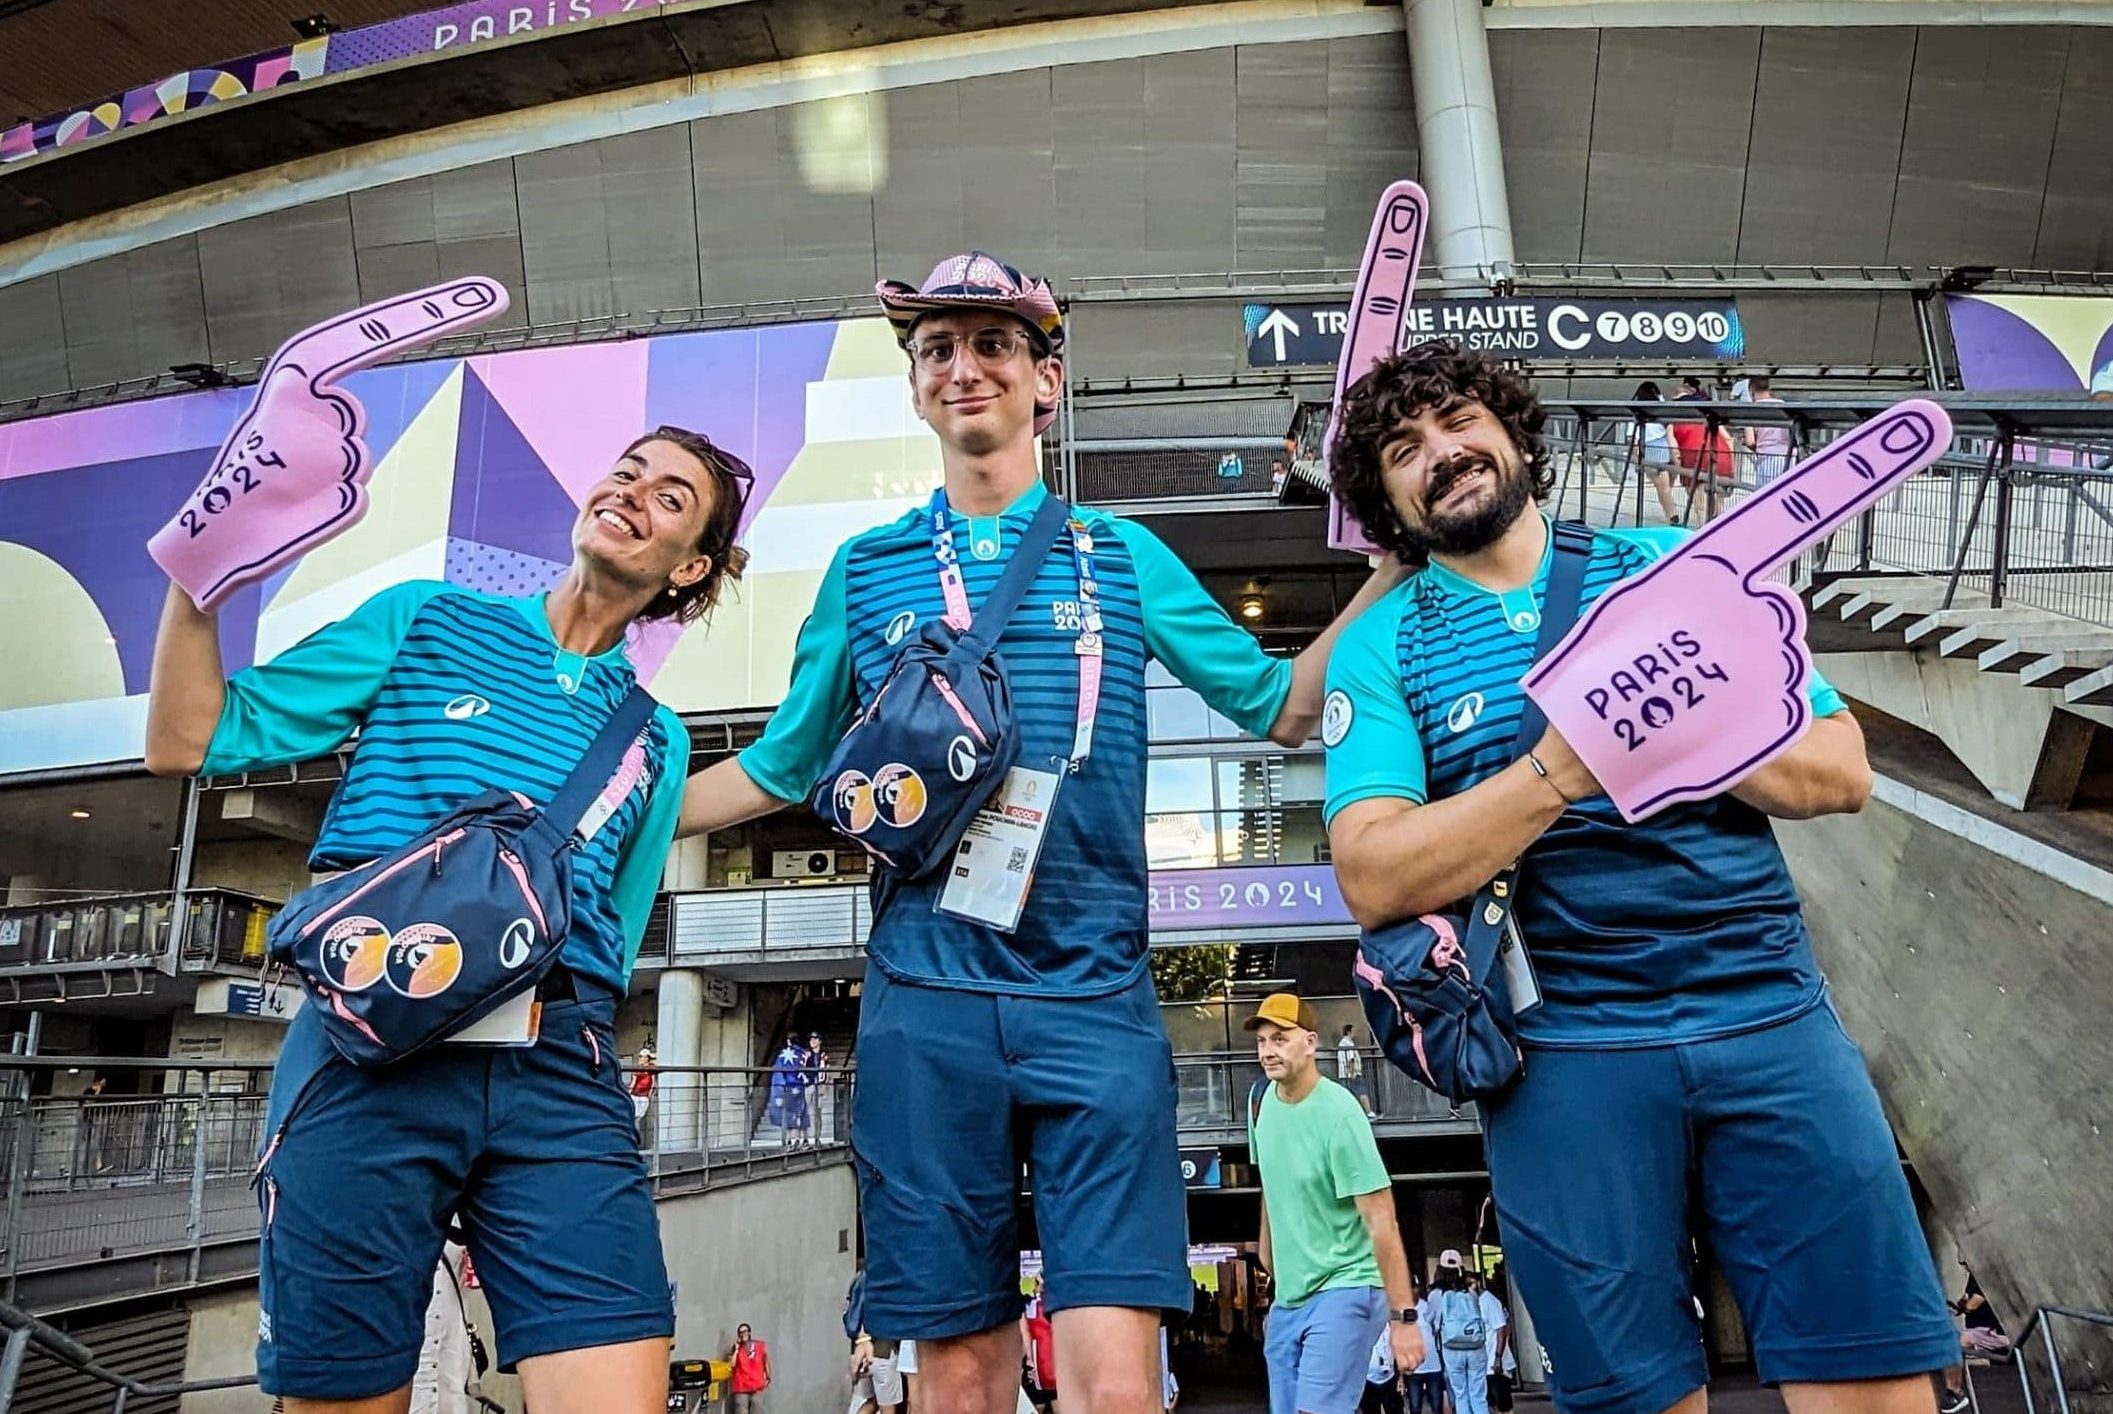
(1538,327)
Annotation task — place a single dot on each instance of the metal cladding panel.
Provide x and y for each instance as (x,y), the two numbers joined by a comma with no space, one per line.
(2076,222)
(1197,337)
(1371,136)
(131,315)
(32,339)
(268,276)
(1826,144)
(1980,130)
(1190,162)
(1811,328)
(1669,129)
(1098,122)
(1899,338)
(1544,82)
(414,233)
(969,166)
(1280,166)
(761,232)
(608,227)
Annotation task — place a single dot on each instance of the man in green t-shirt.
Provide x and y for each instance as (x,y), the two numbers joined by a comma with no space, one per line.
(1329,1237)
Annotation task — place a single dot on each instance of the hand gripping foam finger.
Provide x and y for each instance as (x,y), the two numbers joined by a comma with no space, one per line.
(1686,679)
(1386,283)
(294,471)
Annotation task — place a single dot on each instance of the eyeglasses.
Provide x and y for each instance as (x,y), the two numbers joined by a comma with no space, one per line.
(988,346)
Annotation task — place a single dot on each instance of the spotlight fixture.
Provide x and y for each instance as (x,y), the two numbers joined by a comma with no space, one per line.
(82,812)
(315,26)
(1251,607)
(201,375)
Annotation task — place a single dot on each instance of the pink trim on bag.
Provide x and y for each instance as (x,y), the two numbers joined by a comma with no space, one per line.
(593,1045)
(513,865)
(1377,981)
(1416,1042)
(946,690)
(1446,953)
(398,867)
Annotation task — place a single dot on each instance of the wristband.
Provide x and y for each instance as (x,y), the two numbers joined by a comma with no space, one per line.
(1542,771)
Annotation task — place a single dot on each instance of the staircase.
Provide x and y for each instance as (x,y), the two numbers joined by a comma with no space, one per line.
(836,1018)
(2040,648)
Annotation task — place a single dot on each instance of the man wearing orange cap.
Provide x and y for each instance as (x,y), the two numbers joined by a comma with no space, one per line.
(1329,1235)
(980,1041)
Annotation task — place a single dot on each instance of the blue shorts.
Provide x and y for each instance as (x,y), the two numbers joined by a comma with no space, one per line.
(533,1150)
(1769,1146)
(1318,1351)
(953,1088)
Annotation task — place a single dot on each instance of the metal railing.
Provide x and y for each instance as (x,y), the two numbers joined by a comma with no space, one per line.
(94,1178)
(1213,1090)
(2097,1328)
(25,1333)
(2001,519)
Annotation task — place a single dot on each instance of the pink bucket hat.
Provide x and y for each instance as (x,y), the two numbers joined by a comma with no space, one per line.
(979,280)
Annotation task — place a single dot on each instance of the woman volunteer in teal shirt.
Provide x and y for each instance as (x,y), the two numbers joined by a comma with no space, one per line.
(532,1148)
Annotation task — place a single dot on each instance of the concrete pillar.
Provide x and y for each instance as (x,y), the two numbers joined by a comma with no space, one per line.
(677,1107)
(1456,132)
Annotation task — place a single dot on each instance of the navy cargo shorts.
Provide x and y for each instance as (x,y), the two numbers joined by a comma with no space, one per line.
(533,1150)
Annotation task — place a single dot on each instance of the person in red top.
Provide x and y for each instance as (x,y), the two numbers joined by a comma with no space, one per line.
(1040,1338)
(1705,461)
(751,1362)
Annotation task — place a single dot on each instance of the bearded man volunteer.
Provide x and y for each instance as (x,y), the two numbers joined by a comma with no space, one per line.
(972,1038)
(1329,1236)
(1684,1071)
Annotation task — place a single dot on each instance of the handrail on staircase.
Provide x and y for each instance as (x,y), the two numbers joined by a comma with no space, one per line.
(25,1332)
(2037,1321)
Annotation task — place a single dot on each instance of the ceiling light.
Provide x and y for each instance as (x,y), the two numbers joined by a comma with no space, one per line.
(314,26)
(1251,607)
(82,812)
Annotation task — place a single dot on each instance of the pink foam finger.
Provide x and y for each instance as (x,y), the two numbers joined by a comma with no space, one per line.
(1815,497)
(1386,284)
(363,337)
(1685,680)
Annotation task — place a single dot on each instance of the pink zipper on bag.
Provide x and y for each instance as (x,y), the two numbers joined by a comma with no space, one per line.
(514,867)
(432,850)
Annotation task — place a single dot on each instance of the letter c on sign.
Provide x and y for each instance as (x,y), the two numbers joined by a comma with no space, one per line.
(1559,321)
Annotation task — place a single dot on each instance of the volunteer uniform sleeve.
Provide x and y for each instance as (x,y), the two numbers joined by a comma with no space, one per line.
(1658,540)
(310,699)
(1373,748)
(1197,640)
(788,758)
(643,859)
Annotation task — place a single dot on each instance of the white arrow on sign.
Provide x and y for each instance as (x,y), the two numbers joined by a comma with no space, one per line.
(1277,325)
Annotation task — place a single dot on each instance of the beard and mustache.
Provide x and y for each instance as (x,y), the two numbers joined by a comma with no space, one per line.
(1476,526)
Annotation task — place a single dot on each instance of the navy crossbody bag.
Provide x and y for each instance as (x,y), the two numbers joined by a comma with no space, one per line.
(1429,985)
(404,952)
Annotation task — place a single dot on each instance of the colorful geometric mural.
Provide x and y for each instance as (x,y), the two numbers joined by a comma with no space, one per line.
(480,465)
(2031,343)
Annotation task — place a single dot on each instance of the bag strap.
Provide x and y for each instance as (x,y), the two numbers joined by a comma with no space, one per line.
(1035,544)
(1559,610)
(604,755)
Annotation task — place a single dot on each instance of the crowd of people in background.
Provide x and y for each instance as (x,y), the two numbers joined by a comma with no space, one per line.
(1695,467)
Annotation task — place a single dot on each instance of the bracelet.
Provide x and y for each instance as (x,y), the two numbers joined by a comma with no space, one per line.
(1542,771)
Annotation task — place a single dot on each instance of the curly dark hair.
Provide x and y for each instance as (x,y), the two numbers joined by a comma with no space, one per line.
(1433,374)
(731,482)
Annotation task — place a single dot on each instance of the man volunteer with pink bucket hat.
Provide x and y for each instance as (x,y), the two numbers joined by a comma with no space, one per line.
(1030,1027)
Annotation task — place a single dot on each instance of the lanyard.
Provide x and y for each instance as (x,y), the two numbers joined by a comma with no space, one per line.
(1088,644)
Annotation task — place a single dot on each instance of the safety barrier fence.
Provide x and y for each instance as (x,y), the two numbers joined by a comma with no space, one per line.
(2001,519)
(2060,1373)
(1216,1089)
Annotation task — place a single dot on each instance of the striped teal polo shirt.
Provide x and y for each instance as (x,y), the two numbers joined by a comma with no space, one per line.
(1083,931)
(1681,927)
(451,693)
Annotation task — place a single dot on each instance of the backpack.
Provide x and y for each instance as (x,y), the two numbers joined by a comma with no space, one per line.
(938,738)
(1430,985)
(401,953)
(1468,1334)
